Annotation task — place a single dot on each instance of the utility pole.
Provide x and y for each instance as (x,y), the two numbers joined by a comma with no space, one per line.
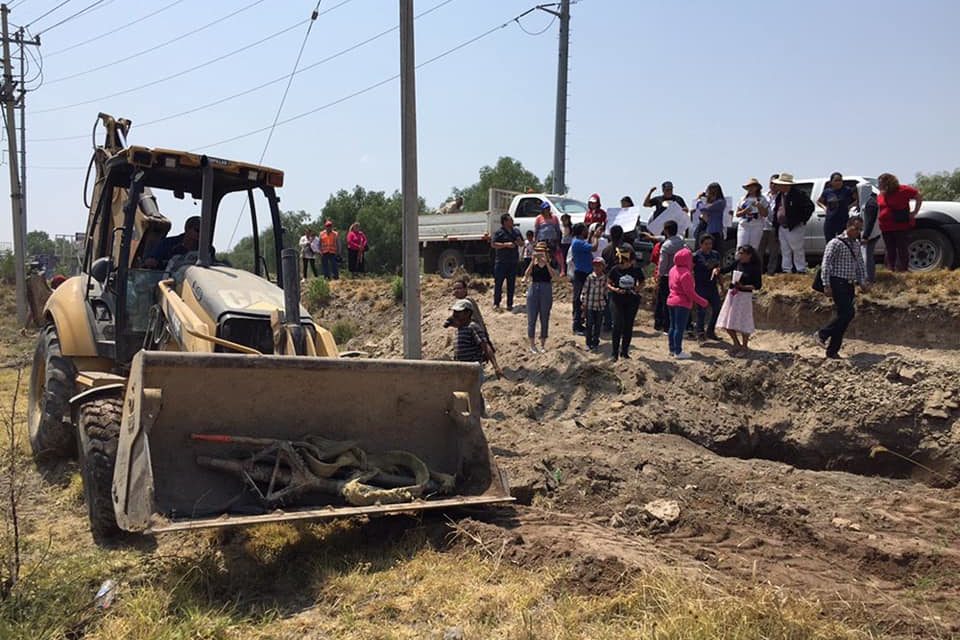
(8,95)
(560,127)
(411,201)
(23,131)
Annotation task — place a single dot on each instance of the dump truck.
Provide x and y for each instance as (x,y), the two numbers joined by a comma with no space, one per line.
(187,388)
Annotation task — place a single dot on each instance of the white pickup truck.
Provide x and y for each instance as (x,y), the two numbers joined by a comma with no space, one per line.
(453,240)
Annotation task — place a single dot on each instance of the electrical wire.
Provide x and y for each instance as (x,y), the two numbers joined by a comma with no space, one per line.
(263,85)
(175,75)
(535,33)
(114,30)
(143,52)
(360,92)
(283,100)
(48,12)
(90,7)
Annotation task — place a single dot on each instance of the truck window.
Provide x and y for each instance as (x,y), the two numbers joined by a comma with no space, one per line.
(528,208)
(806,187)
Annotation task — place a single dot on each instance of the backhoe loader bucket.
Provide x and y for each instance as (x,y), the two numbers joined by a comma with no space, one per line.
(210,440)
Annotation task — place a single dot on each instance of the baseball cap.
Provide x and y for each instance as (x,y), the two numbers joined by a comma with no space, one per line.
(461,305)
(599,259)
(328,223)
(544,205)
(593,199)
(667,185)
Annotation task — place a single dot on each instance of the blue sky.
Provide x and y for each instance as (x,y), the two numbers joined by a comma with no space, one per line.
(690,90)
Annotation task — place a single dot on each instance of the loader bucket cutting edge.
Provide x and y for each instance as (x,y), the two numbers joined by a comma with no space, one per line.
(429,409)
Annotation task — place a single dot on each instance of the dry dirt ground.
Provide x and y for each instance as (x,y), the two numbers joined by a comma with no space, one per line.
(832,478)
(763,481)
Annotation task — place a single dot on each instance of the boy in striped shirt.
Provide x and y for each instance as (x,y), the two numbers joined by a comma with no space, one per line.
(471,344)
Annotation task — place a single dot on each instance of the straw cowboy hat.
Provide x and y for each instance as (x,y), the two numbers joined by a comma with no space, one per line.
(785,178)
(752,182)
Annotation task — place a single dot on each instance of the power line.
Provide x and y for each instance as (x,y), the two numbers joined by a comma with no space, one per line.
(158,46)
(535,33)
(178,74)
(90,7)
(356,93)
(261,86)
(114,30)
(283,100)
(48,12)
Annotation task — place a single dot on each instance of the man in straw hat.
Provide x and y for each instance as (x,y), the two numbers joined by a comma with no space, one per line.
(769,248)
(791,211)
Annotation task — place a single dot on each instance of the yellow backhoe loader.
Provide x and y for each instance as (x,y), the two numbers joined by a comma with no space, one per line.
(200,395)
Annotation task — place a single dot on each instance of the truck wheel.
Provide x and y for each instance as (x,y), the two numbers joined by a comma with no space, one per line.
(449,262)
(99,430)
(48,408)
(929,250)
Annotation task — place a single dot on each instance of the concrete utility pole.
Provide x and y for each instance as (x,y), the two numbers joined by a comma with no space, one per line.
(411,201)
(560,127)
(7,93)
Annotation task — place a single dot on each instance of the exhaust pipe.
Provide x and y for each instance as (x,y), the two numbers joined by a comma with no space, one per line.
(291,300)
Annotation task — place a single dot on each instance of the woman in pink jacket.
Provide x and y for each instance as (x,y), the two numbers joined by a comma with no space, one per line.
(356,247)
(683,295)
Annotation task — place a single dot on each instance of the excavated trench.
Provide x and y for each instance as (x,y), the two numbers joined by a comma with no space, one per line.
(836,450)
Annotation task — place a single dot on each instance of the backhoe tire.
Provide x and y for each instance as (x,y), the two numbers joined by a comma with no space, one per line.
(99,427)
(52,437)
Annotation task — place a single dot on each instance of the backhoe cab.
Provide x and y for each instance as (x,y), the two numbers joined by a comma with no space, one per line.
(186,384)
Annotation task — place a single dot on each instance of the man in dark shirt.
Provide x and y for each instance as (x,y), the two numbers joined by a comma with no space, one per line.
(186,242)
(661,202)
(506,244)
(705,263)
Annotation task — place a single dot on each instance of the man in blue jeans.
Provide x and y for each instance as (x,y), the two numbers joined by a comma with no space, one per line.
(506,244)
(581,249)
(842,270)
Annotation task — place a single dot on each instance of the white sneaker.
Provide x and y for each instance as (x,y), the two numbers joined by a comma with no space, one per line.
(683,355)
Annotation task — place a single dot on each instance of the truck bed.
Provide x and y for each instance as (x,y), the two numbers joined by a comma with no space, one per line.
(470,225)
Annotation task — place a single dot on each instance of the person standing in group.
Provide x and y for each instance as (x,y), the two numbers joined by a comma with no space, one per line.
(668,248)
(896,219)
(506,244)
(595,212)
(660,203)
(527,253)
(307,257)
(712,209)
(330,251)
(769,249)
(539,277)
(683,295)
(624,282)
(460,294)
(736,315)
(609,255)
(837,199)
(472,343)
(547,230)
(581,250)
(791,212)
(870,237)
(706,261)
(593,299)
(751,213)
(842,269)
(566,237)
(356,249)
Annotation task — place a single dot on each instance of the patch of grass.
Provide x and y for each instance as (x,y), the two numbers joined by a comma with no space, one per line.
(343,331)
(317,292)
(396,287)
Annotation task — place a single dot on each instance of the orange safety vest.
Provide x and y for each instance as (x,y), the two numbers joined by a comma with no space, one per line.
(328,242)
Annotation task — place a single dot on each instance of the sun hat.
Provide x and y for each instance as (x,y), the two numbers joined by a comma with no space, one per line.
(785,178)
(541,246)
(752,182)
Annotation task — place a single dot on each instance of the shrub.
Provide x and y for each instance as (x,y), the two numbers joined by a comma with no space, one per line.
(342,331)
(318,292)
(397,288)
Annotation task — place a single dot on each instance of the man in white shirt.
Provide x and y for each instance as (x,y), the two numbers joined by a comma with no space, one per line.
(769,248)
